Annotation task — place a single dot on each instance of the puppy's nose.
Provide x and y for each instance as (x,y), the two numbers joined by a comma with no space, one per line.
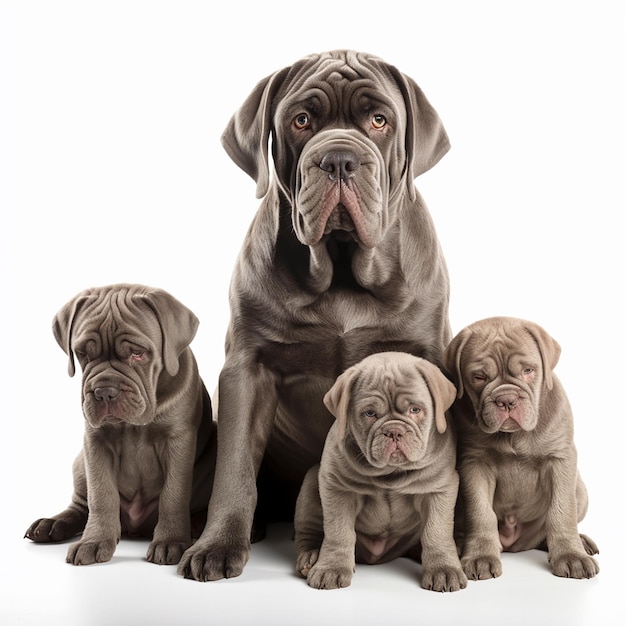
(395,433)
(340,164)
(507,401)
(106,393)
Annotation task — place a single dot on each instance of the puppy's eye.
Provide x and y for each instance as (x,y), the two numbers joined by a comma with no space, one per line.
(528,372)
(379,121)
(302,121)
(414,410)
(137,355)
(369,413)
(479,379)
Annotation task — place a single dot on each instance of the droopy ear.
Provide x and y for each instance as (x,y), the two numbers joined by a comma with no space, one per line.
(63,325)
(549,349)
(426,138)
(246,137)
(337,399)
(441,389)
(452,359)
(178,325)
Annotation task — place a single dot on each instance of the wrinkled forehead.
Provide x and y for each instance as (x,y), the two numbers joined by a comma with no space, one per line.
(392,381)
(115,314)
(339,81)
(500,347)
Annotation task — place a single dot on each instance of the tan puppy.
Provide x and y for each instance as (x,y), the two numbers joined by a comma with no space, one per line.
(149,447)
(387,480)
(520,485)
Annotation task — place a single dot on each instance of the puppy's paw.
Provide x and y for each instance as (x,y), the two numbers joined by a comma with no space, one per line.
(89,552)
(165,552)
(305,561)
(329,577)
(206,561)
(48,530)
(444,579)
(574,566)
(482,567)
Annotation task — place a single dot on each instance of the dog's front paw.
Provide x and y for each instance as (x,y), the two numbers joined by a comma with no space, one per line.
(305,561)
(589,545)
(444,579)
(206,561)
(89,552)
(47,530)
(165,552)
(574,566)
(482,567)
(329,577)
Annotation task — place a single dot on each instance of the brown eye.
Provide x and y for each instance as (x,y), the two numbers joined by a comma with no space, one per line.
(302,121)
(378,121)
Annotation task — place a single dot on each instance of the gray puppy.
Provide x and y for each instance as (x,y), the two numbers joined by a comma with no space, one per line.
(341,260)
(387,480)
(520,484)
(150,440)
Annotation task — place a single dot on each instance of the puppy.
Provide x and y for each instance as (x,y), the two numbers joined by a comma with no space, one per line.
(520,486)
(150,439)
(387,480)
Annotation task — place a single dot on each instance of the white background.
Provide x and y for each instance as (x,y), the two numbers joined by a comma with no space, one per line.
(111,170)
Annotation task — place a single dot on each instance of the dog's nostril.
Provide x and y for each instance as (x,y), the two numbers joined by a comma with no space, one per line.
(106,393)
(340,164)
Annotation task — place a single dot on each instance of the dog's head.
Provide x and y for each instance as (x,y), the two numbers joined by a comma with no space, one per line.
(349,135)
(124,337)
(503,365)
(391,404)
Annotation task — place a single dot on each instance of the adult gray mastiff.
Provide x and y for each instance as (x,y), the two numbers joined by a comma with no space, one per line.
(341,261)
(520,484)
(387,482)
(148,456)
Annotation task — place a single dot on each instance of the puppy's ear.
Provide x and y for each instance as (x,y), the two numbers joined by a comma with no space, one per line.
(63,326)
(441,390)
(452,359)
(246,137)
(337,399)
(549,349)
(426,139)
(178,325)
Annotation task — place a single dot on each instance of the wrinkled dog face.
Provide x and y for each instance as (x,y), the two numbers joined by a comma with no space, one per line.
(119,372)
(389,405)
(120,364)
(336,130)
(391,421)
(503,365)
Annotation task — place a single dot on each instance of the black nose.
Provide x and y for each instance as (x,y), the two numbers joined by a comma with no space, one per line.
(340,164)
(106,393)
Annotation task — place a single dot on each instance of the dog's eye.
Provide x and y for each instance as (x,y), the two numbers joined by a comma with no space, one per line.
(301,121)
(479,379)
(137,355)
(527,372)
(378,121)
(414,410)
(369,413)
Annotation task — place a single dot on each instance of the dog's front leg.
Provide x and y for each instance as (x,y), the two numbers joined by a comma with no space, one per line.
(248,399)
(103,529)
(566,551)
(442,568)
(172,535)
(336,561)
(480,558)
